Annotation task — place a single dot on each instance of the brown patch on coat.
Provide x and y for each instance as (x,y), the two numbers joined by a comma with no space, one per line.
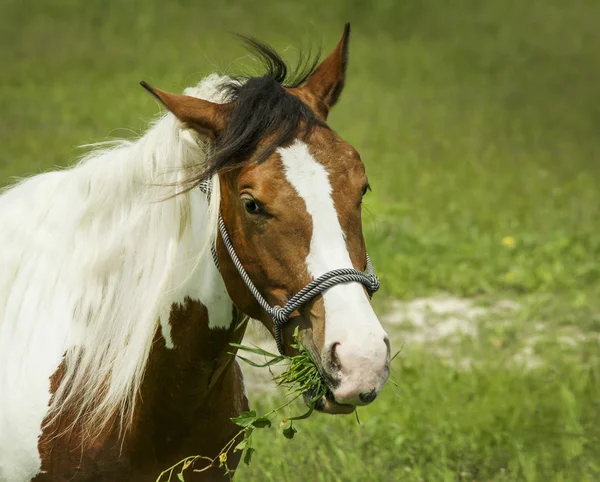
(187,398)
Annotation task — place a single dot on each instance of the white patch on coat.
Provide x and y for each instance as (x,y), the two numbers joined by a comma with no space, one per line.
(349,318)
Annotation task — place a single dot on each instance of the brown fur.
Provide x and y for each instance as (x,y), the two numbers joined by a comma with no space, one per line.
(187,399)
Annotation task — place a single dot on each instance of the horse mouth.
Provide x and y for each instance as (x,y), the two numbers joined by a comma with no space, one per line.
(327,404)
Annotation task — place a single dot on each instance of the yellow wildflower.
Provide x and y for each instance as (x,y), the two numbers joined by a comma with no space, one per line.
(508,242)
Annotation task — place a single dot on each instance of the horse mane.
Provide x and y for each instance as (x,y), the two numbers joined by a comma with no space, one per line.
(262,111)
(93,257)
(96,255)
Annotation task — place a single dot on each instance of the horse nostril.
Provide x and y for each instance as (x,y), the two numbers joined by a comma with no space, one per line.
(334,360)
(368,397)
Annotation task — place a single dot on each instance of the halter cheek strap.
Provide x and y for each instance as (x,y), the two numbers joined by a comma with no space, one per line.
(281,314)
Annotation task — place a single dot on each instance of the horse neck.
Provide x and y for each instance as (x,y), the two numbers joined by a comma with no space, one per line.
(199,356)
(189,394)
(191,350)
(192,389)
(150,249)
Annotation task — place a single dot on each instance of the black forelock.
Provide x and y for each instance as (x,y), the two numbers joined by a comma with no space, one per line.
(262,110)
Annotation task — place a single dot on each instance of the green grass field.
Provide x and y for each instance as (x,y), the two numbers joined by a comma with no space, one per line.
(479,124)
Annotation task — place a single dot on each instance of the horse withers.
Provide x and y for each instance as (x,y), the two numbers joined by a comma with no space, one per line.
(115,320)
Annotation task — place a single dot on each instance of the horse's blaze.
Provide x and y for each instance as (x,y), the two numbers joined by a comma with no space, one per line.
(354,348)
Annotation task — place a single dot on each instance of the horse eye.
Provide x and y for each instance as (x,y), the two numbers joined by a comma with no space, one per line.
(366,188)
(251,206)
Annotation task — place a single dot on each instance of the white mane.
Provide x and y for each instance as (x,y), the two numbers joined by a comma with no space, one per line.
(92,259)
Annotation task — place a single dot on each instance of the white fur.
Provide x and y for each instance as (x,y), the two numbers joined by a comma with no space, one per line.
(350,320)
(91,260)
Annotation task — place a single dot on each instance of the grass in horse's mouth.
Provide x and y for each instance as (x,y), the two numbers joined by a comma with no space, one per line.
(302,376)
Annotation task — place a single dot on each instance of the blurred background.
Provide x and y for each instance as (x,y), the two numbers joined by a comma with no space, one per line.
(479,125)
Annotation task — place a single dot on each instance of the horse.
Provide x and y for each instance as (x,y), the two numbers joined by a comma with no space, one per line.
(126,277)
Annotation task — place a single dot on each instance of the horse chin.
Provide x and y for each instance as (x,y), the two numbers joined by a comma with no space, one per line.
(327,405)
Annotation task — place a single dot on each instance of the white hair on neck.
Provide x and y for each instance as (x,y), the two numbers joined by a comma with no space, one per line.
(93,257)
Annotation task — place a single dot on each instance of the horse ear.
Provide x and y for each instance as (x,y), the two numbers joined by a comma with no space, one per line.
(207,118)
(327,82)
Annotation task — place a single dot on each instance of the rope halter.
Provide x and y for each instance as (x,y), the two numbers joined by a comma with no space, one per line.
(281,314)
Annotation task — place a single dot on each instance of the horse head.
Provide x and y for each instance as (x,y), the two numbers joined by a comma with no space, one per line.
(291,192)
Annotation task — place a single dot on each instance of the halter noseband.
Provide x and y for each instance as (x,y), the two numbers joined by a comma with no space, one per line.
(281,314)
